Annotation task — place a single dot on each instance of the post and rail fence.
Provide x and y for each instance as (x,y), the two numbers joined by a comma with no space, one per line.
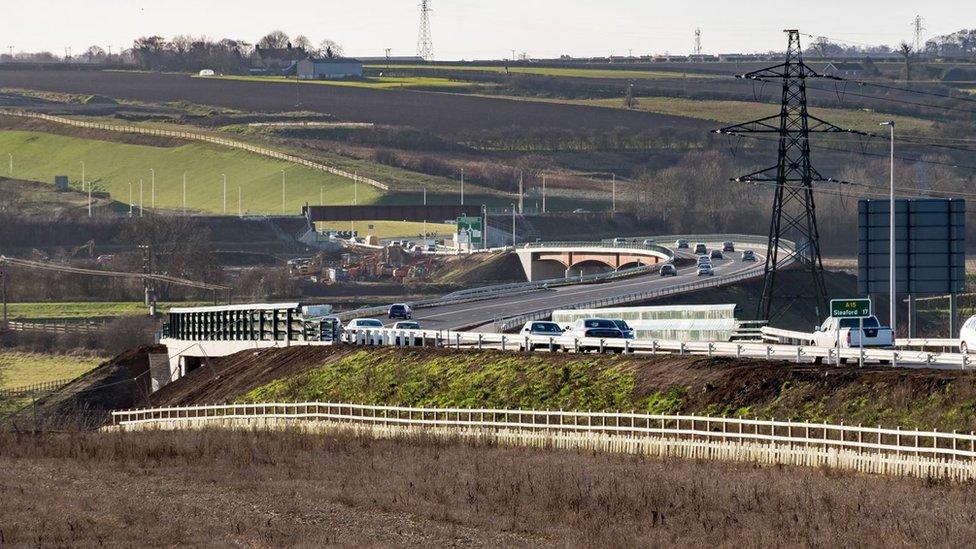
(929,454)
(241,145)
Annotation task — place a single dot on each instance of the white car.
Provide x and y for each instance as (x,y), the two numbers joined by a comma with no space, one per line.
(967,335)
(538,328)
(406,325)
(704,260)
(705,269)
(363,324)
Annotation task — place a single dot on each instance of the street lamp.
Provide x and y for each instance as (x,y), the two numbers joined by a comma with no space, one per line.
(892,303)
(152,189)
(130,199)
(513,224)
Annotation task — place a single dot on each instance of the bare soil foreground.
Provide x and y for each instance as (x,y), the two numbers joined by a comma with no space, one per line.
(437,112)
(288,489)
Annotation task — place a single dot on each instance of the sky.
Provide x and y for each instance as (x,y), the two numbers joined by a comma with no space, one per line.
(470,29)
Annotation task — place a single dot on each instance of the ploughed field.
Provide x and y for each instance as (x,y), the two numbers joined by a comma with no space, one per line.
(437,112)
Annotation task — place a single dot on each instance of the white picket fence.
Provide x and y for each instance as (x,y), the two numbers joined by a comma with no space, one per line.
(241,145)
(931,454)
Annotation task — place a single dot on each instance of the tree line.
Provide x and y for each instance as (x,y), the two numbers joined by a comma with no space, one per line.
(185,52)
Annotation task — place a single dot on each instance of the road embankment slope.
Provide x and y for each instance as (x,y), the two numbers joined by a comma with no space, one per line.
(920,399)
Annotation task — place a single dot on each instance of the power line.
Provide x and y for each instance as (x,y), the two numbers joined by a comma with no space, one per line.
(44,266)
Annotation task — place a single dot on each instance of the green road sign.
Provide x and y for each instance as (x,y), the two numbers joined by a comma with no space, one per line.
(470,228)
(850,308)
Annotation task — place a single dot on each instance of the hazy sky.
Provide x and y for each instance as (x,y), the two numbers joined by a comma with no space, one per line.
(469,29)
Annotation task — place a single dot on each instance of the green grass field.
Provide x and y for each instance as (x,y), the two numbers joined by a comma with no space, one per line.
(82,309)
(549,71)
(112,166)
(729,112)
(22,369)
(375,82)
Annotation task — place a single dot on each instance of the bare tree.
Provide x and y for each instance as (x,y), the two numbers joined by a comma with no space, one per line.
(182,44)
(330,48)
(630,101)
(906,51)
(302,42)
(94,53)
(274,39)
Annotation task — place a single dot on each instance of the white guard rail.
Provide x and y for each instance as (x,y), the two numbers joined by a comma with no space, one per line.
(928,453)
(738,349)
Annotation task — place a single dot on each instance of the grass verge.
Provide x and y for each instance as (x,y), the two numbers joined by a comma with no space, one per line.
(114,166)
(548,71)
(83,309)
(23,369)
(289,489)
(373,82)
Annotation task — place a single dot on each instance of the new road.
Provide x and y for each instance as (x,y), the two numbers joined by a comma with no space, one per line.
(480,315)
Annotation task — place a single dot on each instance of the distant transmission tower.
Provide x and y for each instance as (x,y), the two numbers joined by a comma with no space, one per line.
(425,45)
(697,42)
(793,234)
(917,25)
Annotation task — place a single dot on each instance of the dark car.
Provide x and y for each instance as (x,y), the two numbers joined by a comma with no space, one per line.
(625,328)
(717,254)
(748,255)
(400,310)
(668,270)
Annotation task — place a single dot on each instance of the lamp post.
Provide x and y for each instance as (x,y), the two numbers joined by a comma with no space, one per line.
(513,224)
(613,192)
(543,193)
(892,288)
(130,199)
(152,189)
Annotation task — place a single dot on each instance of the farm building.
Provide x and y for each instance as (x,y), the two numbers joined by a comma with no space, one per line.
(329,68)
(276,58)
(850,69)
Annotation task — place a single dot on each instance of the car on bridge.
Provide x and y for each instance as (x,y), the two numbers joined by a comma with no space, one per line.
(705,269)
(728,246)
(649,242)
(669,270)
(539,328)
(704,260)
(601,328)
(701,249)
(400,310)
(748,255)
(717,254)
(681,244)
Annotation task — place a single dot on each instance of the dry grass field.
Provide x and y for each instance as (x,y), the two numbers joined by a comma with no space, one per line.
(262,489)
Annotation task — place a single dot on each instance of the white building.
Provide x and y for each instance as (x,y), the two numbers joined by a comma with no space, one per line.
(330,68)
